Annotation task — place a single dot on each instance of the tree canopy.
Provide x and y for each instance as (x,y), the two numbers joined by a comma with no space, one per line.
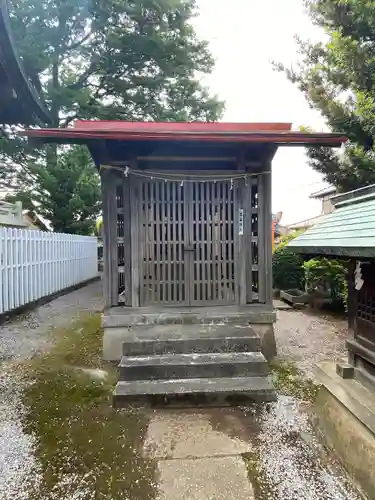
(95,59)
(337,76)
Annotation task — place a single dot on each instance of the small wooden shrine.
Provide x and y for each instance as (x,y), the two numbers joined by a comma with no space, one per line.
(186,208)
(187,251)
(346,400)
(348,233)
(20,102)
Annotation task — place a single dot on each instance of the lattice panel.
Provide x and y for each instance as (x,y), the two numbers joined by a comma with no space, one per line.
(213,254)
(187,242)
(366,305)
(366,295)
(163,226)
(255,239)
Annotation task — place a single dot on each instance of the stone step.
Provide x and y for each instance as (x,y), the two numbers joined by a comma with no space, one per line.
(186,339)
(129,316)
(194,365)
(256,389)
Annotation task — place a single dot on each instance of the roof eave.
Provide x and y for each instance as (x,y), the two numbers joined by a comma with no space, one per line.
(27,98)
(279,139)
(344,252)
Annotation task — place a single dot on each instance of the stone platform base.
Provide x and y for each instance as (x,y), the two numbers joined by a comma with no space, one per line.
(345,411)
(198,352)
(120,323)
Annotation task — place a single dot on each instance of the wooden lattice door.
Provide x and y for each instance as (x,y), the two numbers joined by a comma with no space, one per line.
(187,242)
(213,242)
(163,233)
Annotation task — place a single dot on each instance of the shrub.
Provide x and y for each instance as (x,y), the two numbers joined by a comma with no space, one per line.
(287,269)
(329,275)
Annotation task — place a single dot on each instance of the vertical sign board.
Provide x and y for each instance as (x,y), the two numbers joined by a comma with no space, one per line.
(241,222)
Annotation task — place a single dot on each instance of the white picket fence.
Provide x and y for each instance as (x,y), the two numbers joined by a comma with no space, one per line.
(35,264)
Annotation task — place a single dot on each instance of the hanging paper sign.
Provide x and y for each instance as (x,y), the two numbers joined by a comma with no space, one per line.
(240,224)
(358,280)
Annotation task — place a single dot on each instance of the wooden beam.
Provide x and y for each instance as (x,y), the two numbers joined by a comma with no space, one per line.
(135,236)
(240,235)
(108,182)
(176,159)
(268,235)
(247,240)
(127,242)
(265,239)
(187,158)
(253,164)
(352,298)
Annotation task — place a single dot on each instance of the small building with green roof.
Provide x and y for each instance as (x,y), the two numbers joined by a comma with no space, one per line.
(346,402)
(349,231)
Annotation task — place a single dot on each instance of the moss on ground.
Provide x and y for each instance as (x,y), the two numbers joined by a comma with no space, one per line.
(290,381)
(261,485)
(86,449)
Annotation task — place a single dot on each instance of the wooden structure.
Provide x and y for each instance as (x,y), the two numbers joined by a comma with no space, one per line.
(348,233)
(186,208)
(20,102)
(361,314)
(187,252)
(345,404)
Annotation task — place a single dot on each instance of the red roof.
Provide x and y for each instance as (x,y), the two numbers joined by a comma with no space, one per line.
(276,133)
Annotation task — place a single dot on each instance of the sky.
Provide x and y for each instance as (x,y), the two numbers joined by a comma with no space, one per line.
(244,37)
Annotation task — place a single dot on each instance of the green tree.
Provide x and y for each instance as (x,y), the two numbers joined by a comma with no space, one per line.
(68,196)
(337,76)
(96,59)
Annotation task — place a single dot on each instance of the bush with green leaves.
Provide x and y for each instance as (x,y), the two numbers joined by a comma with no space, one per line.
(329,275)
(287,265)
(287,269)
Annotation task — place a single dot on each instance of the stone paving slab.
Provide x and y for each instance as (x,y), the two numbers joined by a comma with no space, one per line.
(185,434)
(213,478)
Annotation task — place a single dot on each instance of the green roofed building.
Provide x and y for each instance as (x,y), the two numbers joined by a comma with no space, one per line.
(346,403)
(349,231)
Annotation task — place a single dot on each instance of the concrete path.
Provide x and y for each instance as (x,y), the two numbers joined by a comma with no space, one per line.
(196,461)
(260,452)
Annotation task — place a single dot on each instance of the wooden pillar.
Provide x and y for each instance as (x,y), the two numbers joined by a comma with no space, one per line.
(248,239)
(241,236)
(352,298)
(135,185)
(126,184)
(265,238)
(108,183)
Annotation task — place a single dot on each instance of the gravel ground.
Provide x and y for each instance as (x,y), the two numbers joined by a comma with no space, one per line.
(308,337)
(21,338)
(293,463)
